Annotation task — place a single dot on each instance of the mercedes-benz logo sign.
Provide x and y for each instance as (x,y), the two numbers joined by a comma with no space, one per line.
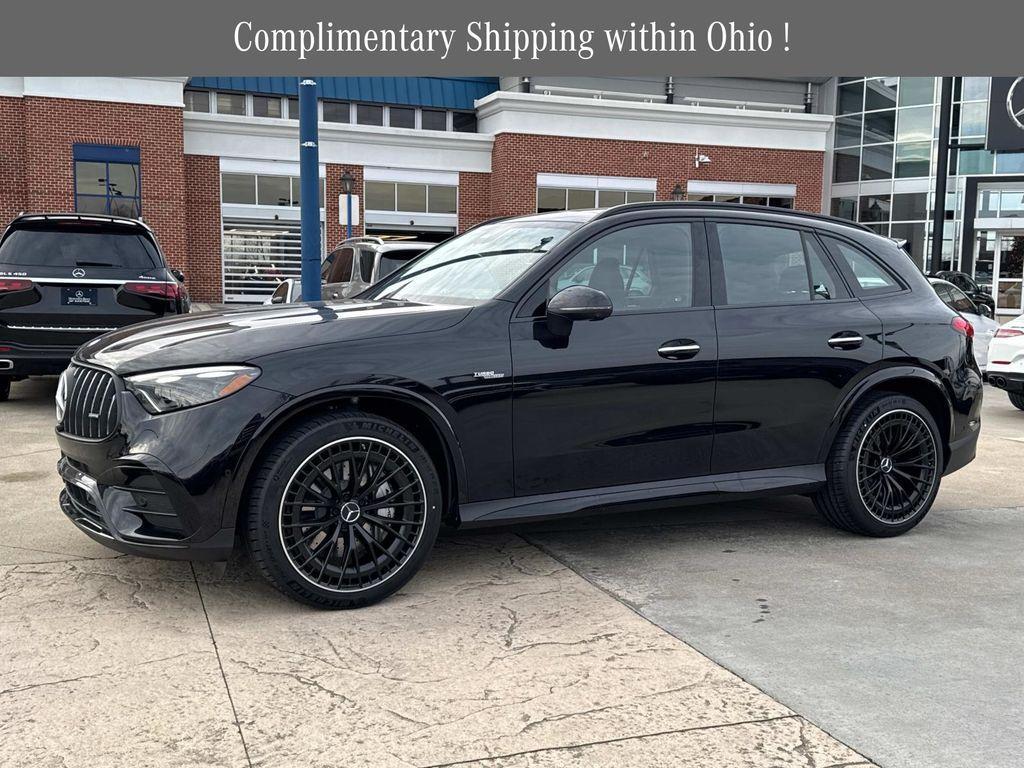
(78,273)
(1015,102)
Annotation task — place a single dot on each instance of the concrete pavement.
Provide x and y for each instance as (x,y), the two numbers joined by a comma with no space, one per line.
(498,654)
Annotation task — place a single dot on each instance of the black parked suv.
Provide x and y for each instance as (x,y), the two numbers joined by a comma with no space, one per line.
(976,293)
(67,278)
(530,367)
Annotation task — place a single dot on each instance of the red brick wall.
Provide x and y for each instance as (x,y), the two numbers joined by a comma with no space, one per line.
(12,159)
(335,232)
(203,236)
(52,126)
(474,199)
(517,158)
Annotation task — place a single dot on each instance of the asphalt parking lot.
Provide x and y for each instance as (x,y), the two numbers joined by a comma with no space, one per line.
(741,635)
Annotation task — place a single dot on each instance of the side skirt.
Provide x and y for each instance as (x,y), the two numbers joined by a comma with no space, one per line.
(762,482)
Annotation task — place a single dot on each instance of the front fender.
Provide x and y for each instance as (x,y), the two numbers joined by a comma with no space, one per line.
(434,409)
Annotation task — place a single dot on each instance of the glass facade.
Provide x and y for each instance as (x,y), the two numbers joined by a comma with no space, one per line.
(886,153)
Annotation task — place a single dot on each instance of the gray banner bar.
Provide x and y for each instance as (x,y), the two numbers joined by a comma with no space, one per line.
(456,37)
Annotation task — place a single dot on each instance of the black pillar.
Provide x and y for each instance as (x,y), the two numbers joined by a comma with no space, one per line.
(941,173)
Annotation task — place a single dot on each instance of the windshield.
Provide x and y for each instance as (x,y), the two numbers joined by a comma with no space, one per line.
(476,266)
(79,247)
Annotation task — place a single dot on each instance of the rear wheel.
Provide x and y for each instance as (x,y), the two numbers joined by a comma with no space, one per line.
(343,510)
(1017,398)
(884,468)
(5,387)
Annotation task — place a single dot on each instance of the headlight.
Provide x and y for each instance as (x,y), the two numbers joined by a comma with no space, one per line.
(62,393)
(164,391)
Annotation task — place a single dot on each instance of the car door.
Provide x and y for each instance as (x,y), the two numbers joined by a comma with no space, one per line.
(790,339)
(603,406)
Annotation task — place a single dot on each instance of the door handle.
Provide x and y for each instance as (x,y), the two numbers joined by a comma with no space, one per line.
(846,340)
(679,349)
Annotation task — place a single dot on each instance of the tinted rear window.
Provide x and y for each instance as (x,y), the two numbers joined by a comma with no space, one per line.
(79,247)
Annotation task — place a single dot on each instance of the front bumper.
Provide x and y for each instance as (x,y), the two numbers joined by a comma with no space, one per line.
(158,486)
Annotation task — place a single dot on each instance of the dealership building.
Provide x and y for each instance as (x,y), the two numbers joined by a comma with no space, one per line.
(211,163)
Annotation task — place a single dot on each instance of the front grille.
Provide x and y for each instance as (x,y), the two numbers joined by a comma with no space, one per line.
(91,408)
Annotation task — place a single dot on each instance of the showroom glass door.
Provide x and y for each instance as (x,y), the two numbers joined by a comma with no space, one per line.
(1009,273)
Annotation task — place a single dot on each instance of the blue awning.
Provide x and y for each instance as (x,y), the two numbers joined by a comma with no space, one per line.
(440,92)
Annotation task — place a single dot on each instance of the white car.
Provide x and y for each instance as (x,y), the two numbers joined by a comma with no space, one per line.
(1006,361)
(985,328)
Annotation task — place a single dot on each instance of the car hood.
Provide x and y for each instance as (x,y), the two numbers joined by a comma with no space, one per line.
(238,336)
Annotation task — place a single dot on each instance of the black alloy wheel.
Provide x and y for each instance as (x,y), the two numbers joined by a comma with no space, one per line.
(884,468)
(896,466)
(352,514)
(343,510)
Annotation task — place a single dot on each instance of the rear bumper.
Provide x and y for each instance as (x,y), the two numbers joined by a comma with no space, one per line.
(21,360)
(1011,382)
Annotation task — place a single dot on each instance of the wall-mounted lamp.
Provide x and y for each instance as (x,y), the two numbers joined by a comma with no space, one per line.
(678,192)
(700,159)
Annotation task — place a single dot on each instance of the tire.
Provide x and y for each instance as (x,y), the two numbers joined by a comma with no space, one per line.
(1017,398)
(5,388)
(317,523)
(862,495)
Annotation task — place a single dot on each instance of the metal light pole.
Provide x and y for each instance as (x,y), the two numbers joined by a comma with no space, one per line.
(347,180)
(309,185)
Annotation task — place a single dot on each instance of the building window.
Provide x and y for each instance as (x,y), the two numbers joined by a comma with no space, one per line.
(770,201)
(584,198)
(230,103)
(266,106)
(407,197)
(464,122)
(369,114)
(262,189)
(108,180)
(197,101)
(402,117)
(337,112)
(434,120)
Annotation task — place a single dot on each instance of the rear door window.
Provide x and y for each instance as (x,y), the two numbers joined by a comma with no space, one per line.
(75,247)
(772,265)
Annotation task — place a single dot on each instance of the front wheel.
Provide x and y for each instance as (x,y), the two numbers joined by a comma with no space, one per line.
(884,468)
(1017,398)
(343,510)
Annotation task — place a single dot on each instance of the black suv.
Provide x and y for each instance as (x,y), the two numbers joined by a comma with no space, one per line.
(976,293)
(530,367)
(67,278)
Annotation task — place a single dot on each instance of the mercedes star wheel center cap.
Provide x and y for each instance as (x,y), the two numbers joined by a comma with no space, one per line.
(350,512)
(886,465)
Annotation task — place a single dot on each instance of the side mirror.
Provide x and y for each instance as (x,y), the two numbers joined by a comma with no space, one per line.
(178,275)
(576,303)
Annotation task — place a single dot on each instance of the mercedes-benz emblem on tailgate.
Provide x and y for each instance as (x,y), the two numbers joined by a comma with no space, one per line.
(1015,102)
(78,273)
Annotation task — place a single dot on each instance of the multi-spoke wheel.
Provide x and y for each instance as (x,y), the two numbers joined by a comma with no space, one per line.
(344,510)
(884,469)
(897,465)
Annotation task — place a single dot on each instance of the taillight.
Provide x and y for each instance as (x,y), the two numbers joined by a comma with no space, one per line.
(1008,333)
(12,284)
(960,325)
(163,290)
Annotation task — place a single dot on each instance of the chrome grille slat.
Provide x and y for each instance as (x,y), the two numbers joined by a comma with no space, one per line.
(92,392)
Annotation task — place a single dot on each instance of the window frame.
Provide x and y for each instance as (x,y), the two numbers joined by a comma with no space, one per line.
(719,291)
(108,155)
(535,298)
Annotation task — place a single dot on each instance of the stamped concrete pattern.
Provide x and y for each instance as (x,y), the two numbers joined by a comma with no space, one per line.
(496,654)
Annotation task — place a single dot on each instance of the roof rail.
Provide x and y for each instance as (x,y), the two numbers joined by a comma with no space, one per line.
(706,205)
